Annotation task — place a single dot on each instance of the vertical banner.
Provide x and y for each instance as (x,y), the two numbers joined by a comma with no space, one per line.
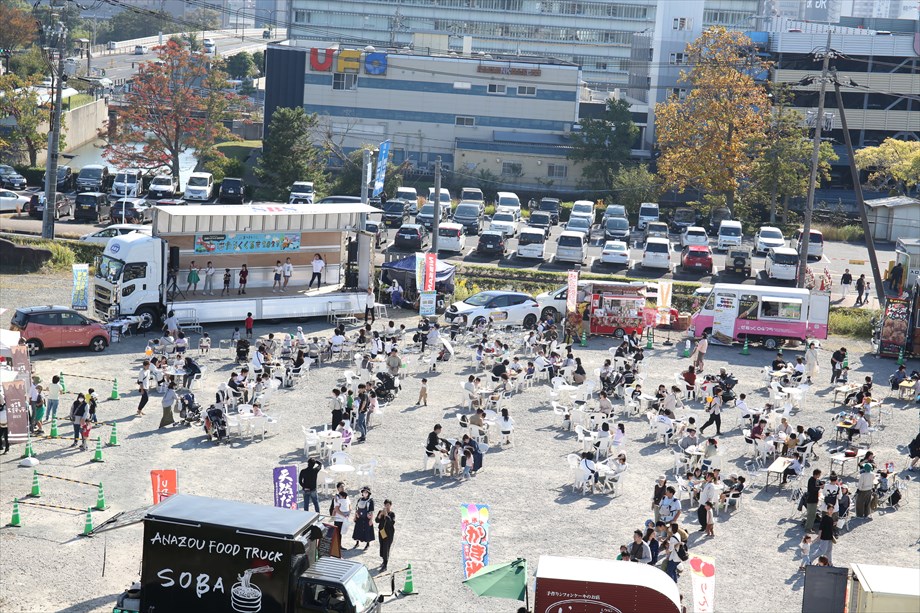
(21,364)
(474,537)
(165,484)
(17,410)
(665,290)
(723,324)
(571,295)
(431,271)
(703,578)
(79,298)
(420,271)
(428,303)
(381,175)
(284,479)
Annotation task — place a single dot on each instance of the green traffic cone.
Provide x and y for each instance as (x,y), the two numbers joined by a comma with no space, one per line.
(648,339)
(63,387)
(54,430)
(114,395)
(27,452)
(15,521)
(846,361)
(409,588)
(36,488)
(687,349)
(100,499)
(98,456)
(745,350)
(113,437)
(88,526)
(584,339)
(901,357)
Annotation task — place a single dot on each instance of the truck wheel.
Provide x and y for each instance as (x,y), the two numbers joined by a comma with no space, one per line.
(34,346)
(530,321)
(149,318)
(550,312)
(98,344)
(770,343)
(619,333)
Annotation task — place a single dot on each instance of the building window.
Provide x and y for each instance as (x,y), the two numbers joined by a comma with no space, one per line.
(301,16)
(679,92)
(344,80)
(461,120)
(496,88)
(512,169)
(557,171)
(681,23)
(526,90)
(678,58)
(600,66)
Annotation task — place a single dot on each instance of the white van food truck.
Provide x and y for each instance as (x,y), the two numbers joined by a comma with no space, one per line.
(760,313)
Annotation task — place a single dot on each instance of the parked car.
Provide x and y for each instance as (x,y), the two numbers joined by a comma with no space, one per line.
(582,208)
(738,262)
(782,263)
(491,242)
(209,45)
(63,205)
(472,194)
(532,243)
(301,193)
(717,216)
(579,224)
(94,178)
(767,238)
(131,211)
(92,206)
(10,178)
(682,218)
(648,212)
(162,186)
(572,247)
(200,187)
(378,231)
(425,216)
(411,236)
(614,210)
(657,253)
(10,201)
(128,183)
(730,234)
(65,179)
(502,307)
(615,253)
(541,220)
(815,243)
(551,206)
(231,191)
(469,214)
(141,49)
(340,200)
(696,258)
(617,228)
(694,235)
(657,229)
(395,213)
(410,195)
(101,237)
(51,327)
(451,237)
(504,222)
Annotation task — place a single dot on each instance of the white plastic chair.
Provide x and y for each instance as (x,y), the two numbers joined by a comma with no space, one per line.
(367,472)
(257,426)
(310,442)
(340,457)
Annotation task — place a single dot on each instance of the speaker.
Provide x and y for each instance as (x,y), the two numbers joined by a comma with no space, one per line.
(174,258)
(352,252)
(351,278)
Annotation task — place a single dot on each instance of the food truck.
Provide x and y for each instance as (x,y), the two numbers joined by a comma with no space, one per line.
(614,308)
(770,315)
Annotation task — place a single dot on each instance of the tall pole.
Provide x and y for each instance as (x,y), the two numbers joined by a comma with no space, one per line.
(860,203)
(366,176)
(812,183)
(436,217)
(54,138)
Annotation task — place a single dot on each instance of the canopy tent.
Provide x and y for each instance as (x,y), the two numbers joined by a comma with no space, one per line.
(404,271)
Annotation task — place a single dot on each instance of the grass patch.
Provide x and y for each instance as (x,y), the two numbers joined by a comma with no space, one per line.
(238,150)
(78,100)
(64,253)
(855,322)
(848,234)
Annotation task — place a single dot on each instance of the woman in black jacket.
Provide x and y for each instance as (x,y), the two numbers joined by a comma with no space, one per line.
(386,527)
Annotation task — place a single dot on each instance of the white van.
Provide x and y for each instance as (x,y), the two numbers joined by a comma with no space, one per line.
(445,201)
(531,243)
(648,211)
(451,237)
(782,264)
(129,183)
(815,242)
(730,234)
(572,247)
(657,253)
(472,193)
(509,201)
(200,187)
(409,195)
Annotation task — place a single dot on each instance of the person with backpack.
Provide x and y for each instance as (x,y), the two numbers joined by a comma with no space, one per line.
(812,493)
(677,553)
(861,291)
(831,494)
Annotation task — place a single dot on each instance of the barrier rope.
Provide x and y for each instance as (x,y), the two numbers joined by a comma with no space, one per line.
(66,479)
(51,506)
(67,374)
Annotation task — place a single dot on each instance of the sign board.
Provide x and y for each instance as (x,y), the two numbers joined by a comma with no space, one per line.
(427,303)
(895,326)
(723,325)
(79,298)
(474,537)
(21,365)
(17,410)
(247,242)
(818,10)
(284,479)
(165,484)
(420,270)
(382,159)
(431,271)
(571,293)
(703,580)
(348,60)
(508,70)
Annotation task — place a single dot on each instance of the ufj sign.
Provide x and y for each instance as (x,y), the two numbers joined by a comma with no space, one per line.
(348,60)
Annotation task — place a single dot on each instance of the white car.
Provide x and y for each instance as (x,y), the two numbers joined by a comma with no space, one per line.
(694,235)
(209,45)
(511,308)
(102,236)
(10,200)
(301,193)
(768,238)
(615,253)
(200,187)
(657,253)
(579,224)
(582,208)
(505,222)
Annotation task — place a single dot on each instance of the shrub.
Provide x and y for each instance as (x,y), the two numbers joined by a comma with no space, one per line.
(848,321)
(849,234)
(65,253)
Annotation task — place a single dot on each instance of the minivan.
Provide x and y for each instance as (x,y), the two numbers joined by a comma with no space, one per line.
(531,243)
(128,183)
(200,187)
(451,237)
(815,243)
(551,206)
(782,263)
(445,202)
(572,247)
(301,193)
(231,191)
(616,228)
(508,200)
(657,253)
(472,193)
(469,215)
(648,211)
(93,178)
(92,206)
(410,195)
(730,234)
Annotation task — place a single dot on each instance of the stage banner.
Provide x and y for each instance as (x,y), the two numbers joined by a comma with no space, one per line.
(474,537)
(381,175)
(165,484)
(247,242)
(284,479)
(17,410)
(703,579)
(571,295)
(79,297)
(431,271)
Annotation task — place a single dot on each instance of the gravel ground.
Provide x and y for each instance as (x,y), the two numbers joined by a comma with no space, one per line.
(44,566)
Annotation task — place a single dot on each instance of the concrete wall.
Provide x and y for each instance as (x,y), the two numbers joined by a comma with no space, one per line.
(82,125)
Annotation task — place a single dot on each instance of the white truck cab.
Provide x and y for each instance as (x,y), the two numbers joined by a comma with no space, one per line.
(508,200)
(730,234)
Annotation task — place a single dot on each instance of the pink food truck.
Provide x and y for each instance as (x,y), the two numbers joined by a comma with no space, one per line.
(770,315)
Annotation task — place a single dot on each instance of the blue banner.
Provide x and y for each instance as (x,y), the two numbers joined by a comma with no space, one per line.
(248,242)
(381,175)
(79,298)
(284,479)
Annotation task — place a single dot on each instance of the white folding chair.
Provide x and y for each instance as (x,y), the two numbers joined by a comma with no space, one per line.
(367,472)
(340,457)
(310,442)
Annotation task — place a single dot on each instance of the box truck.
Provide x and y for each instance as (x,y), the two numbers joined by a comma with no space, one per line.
(880,589)
(213,556)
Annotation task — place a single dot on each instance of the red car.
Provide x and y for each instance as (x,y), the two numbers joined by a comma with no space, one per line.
(696,257)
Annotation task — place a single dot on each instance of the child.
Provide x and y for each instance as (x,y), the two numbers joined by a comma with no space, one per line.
(624,553)
(423,393)
(39,413)
(227,278)
(349,404)
(455,453)
(466,462)
(710,522)
(805,550)
(248,324)
(236,334)
(93,402)
(204,344)
(244,276)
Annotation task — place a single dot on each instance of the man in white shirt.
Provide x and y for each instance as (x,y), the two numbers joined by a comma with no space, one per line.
(318,265)
(337,340)
(288,272)
(209,279)
(541,363)
(669,508)
(708,493)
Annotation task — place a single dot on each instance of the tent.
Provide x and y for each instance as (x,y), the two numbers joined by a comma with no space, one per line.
(8,338)
(404,271)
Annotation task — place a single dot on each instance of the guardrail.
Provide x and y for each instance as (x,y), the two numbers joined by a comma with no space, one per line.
(127,46)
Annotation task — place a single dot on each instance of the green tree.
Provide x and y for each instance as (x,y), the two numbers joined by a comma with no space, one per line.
(604,144)
(240,65)
(17,27)
(288,154)
(634,184)
(258,59)
(29,64)
(129,24)
(348,180)
(205,19)
(28,133)
(894,165)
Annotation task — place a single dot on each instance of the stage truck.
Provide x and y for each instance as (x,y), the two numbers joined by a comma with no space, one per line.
(141,278)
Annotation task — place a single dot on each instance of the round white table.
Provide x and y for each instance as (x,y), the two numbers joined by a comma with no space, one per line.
(341,469)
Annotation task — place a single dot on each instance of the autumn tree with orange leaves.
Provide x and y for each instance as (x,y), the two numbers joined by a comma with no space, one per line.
(175,103)
(711,138)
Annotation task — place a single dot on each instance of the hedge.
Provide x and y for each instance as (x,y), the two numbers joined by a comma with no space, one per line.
(66,252)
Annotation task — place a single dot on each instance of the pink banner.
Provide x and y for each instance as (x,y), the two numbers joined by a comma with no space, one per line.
(165,484)
(431,271)
(571,295)
(474,537)
(703,579)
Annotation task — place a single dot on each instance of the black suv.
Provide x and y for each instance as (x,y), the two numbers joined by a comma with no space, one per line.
(551,206)
(231,191)
(65,179)
(395,213)
(411,236)
(738,262)
(542,220)
(10,178)
(491,242)
(37,206)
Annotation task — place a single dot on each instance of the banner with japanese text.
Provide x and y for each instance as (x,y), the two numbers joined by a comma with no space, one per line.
(165,484)
(571,295)
(381,175)
(703,579)
(21,362)
(665,292)
(474,537)
(431,271)
(284,479)
(428,303)
(247,242)
(79,297)
(420,270)
(17,410)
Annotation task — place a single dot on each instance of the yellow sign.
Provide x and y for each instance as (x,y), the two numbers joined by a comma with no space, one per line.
(857,262)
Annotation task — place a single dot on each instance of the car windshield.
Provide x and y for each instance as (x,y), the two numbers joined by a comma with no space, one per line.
(161,181)
(548,205)
(684,215)
(231,183)
(124,177)
(503,217)
(696,233)
(361,589)
(531,238)
(721,215)
(427,209)
(648,211)
(109,269)
(771,234)
(657,247)
(816,237)
(582,209)
(471,194)
(539,219)
(614,247)
(479,299)
(570,241)
(7,170)
(579,223)
(730,231)
(657,227)
(87,200)
(697,253)
(467,210)
(408,232)
(490,239)
(198,182)
(449,232)
(394,206)
(512,202)
(302,188)
(738,254)
(616,210)
(617,223)
(90,173)
(785,258)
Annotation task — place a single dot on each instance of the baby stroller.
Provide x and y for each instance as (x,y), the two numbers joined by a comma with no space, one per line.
(189,410)
(215,424)
(242,351)
(387,387)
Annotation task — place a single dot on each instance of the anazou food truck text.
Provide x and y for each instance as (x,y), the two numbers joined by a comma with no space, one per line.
(215,556)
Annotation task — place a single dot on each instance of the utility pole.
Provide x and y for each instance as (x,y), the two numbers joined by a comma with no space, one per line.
(366,176)
(812,183)
(436,216)
(58,35)
(857,187)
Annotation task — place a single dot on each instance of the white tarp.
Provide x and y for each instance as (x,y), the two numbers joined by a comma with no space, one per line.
(8,338)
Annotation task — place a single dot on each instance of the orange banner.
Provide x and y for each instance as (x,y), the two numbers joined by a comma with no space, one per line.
(165,483)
